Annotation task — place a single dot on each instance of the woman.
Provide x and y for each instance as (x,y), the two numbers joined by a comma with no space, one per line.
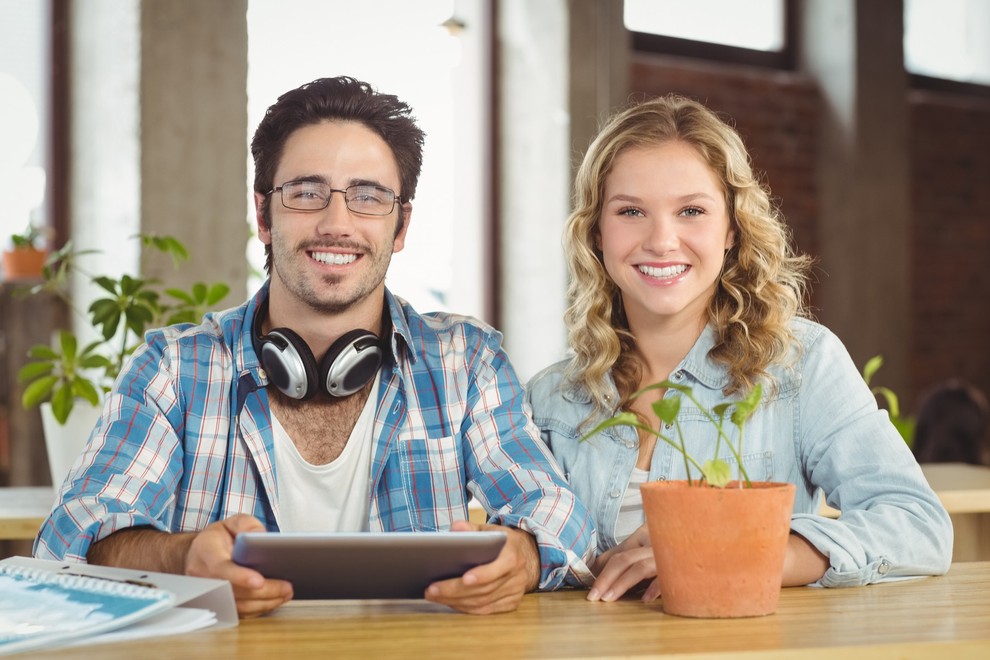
(681,269)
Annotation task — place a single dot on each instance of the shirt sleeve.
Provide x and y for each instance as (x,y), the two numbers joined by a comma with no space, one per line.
(514,476)
(128,472)
(892,524)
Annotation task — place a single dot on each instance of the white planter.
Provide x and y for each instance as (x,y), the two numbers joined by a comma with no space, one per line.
(64,442)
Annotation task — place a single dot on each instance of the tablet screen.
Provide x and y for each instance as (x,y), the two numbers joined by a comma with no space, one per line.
(365,565)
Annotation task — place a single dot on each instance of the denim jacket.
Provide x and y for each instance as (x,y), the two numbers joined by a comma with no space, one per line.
(820,429)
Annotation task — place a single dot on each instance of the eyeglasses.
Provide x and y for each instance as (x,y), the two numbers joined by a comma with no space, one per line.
(315,196)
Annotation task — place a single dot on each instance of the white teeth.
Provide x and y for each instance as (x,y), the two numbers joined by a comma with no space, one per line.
(334,258)
(663,273)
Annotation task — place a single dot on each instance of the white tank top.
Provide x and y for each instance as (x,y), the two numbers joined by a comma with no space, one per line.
(631,515)
(335,497)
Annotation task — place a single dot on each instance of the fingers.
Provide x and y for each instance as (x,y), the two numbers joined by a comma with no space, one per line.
(652,592)
(623,571)
(497,586)
(210,555)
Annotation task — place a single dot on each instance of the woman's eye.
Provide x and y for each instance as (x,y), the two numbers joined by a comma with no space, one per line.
(630,211)
(693,211)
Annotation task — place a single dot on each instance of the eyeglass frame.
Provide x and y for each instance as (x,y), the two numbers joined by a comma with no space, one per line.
(396,199)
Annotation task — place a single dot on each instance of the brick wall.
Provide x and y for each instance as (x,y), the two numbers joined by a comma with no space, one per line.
(778,112)
(950,198)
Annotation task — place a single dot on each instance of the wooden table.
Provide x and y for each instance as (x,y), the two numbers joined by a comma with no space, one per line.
(23,510)
(932,617)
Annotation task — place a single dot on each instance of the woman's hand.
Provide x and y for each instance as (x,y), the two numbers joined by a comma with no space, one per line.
(625,566)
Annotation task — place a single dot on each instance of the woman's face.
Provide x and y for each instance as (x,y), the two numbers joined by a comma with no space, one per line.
(664,232)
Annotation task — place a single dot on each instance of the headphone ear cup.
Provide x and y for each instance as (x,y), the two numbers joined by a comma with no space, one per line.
(350,363)
(290,363)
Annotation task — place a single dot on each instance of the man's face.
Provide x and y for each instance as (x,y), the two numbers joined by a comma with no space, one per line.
(332,259)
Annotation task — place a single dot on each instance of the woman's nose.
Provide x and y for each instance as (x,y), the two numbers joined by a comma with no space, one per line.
(662,236)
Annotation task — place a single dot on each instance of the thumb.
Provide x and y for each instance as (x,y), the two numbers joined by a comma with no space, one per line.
(242,522)
(465,526)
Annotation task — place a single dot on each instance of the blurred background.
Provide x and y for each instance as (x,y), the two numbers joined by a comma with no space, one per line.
(869,118)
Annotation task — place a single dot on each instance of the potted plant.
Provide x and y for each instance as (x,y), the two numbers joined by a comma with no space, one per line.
(718,539)
(68,379)
(26,257)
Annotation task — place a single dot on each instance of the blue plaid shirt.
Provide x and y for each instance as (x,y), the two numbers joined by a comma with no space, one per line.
(185,439)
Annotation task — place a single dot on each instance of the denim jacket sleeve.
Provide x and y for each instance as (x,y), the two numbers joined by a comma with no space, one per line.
(892,524)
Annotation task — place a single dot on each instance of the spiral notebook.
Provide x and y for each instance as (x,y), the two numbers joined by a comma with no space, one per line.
(46,604)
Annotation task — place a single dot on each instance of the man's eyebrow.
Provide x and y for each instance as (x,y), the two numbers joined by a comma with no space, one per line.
(367,182)
(309,178)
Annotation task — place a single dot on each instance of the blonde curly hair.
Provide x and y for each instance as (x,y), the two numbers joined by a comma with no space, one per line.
(763,284)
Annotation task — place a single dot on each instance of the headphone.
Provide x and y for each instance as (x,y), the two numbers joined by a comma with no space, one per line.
(348,365)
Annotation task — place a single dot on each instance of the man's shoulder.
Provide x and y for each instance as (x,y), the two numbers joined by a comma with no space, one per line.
(443,326)
(221,330)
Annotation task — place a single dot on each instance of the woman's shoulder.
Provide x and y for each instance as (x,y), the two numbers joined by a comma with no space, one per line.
(551,390)
(549,383)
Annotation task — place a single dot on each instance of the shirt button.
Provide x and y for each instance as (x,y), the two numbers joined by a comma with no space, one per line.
(678,374)
(615,494)
(662,477)
(884,567)
(668,426)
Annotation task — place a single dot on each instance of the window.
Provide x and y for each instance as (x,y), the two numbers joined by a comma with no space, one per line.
(752,32)
(948,39)
(24,76)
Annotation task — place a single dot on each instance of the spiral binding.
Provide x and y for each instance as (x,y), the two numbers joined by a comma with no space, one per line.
(85,583)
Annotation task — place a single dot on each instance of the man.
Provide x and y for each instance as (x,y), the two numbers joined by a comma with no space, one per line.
(324,402)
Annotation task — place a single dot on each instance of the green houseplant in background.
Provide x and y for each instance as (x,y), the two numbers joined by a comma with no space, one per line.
(67,372)
(26,255)
(903,423)
(68,378)
(718,542)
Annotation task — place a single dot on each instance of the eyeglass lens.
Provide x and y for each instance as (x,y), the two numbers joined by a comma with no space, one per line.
(313,196)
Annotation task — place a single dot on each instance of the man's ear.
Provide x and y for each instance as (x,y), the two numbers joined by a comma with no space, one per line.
(400,234)
(264,232)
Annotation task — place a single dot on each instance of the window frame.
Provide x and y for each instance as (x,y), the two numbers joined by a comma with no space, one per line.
(783,59)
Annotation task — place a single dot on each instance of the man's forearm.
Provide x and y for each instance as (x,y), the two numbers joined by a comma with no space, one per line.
(143,548)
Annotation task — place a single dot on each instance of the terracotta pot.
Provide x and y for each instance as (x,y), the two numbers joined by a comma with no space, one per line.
(719,551)
(23,263)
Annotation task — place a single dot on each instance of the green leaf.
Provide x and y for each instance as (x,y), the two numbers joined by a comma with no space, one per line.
(744,409)
(67,341)
(667,409)
(181,296)
(42,352)
(84,389)
(871,367)
(33,370)
(891,398)
(38,391)
(62,402)
(106,283)
(717,473)
(217,292)
(621,419)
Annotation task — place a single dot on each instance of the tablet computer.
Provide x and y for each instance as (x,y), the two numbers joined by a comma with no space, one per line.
(364,564)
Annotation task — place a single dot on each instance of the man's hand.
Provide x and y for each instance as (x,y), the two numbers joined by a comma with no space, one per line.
(623,567)
(201,554)
(497,586)
(210,555)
